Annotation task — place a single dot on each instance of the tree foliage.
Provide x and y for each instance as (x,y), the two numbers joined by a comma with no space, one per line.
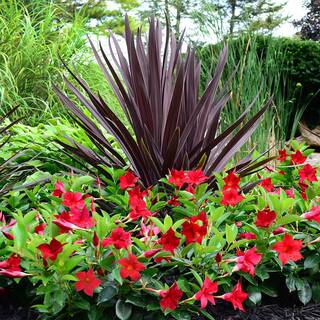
(310,24)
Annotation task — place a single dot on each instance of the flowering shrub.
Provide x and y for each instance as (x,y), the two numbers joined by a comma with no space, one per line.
(125,252)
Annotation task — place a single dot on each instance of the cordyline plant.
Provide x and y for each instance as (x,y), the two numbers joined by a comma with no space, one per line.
(158,89)
(212,246)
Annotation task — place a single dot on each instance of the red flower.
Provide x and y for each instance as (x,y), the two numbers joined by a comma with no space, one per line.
(173,201)
(169,241)
(205,293)
(87,282)
(308,172)
(282,155)
(95,239)
(128,180)
(265,218)
(288,249)
(247,235)
(195,228)
(73,200)
(313,214)
(279,230)
(170,297)
(5,228)
(195,177)
(231,197)
(138,209)
(51,250)
(58,189)
(39,229)
(177,177)
(119,238)
(231,181)
(267,184)
(131,268)
(290,192)
(246,261)
(150,253)
(82,218)
(298,158)
(11,267)
(236,297)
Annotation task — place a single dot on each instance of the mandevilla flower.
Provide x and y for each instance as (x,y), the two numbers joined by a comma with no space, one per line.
(128,180)
(131,267)
(177,177)
(265,218)
(119,238)
(39,229)
(298,158)
(236,297)
(206,292)
(51,250)
(313,214)
(267,184)
(11,267)
(169,241)
(231,181)
(87,282)
(73,200)
(308,172)
(282,155)
(247,235)
(58,189)
(231,197)
(195,177)
(288,249)
(170,297)
(246,261)
(195,229)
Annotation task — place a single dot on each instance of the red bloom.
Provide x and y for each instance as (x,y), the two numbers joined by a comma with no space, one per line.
(11,267)
(279,230)
(282,155)
(231,197)
(265,218)
(267,184)
(128,180)
(131,268)
(231,181)
(313,214)
(169,241)
(236,297)
(195,228)
(119,238)
(288,249)
(58,189)
(177,177)
(51,250)
(308,172)
(174,201)
(87,282)
(73,200)
(39,229)
(170,297)
(247,260)
(95,239)
(290,192)
(247,235)
(138,209)
(5,228)
(298,158)
(195,177)
(205,293)
(82,218)
(150,253)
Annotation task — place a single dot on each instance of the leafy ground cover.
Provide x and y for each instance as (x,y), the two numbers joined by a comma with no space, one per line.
(172,250)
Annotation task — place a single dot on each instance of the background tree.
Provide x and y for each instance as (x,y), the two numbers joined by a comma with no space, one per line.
(310,24)
(253,15)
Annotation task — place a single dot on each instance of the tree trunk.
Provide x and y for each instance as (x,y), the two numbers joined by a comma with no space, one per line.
(232,4)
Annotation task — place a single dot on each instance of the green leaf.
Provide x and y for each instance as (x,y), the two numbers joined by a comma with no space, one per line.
(254,294)
(167,223)
(312,262)
(216,213)
(20,233)
(197,276)
(206,314)
(316,292)
(80,181)
(107,293)
(231,233)
(305,293)
(181,315)
(158,223)
(289,218)
(123,310)
(136,300)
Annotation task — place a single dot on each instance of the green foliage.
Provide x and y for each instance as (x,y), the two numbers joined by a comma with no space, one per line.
(286,68)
